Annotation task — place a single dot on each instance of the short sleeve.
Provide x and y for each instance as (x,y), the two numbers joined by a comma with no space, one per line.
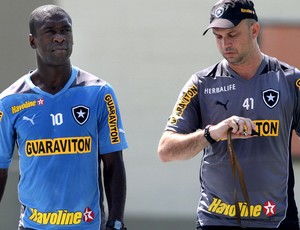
(186,116)
(111,132)
(296,86)
(7,138)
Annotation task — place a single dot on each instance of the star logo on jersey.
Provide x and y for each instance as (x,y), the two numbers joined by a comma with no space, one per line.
(270,97)
(88,215)
(269,208)
(81,114)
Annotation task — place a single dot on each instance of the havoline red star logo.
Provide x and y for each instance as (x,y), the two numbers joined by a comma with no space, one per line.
(88,215)
(81,114)
(270,97)
(269,208)
(40,101)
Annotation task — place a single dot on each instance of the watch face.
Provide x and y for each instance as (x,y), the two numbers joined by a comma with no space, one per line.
(118,224)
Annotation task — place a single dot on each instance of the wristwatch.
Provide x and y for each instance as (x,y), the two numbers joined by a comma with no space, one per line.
(115,224)
(207,135)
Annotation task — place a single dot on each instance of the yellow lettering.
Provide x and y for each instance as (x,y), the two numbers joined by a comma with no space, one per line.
(61,217)
(219,207)
(46,147)
(112,119)
(183,103)
(267,127)
(26,105)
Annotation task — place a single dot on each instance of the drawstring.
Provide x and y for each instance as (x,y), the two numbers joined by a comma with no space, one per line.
(236,169)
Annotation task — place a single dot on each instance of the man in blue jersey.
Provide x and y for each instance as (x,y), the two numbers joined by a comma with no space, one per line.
(255,100)
(65,122)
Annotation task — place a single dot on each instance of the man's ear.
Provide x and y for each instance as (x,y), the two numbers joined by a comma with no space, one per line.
(255,30)
(31,41)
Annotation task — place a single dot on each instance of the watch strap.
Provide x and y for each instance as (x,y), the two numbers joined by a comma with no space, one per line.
(207,135)
(115,224)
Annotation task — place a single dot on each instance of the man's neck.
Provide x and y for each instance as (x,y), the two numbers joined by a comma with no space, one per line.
(248,69)
(52,79)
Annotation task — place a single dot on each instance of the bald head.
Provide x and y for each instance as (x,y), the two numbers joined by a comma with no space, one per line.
(43,13)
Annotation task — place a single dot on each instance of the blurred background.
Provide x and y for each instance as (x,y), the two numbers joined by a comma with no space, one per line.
(147,50)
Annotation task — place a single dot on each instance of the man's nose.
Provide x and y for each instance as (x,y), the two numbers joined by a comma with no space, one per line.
(59,38)
(226,42)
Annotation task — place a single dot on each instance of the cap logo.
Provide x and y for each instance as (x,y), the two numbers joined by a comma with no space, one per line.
(219,12)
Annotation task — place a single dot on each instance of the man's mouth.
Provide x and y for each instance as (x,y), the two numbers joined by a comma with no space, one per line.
(59,48)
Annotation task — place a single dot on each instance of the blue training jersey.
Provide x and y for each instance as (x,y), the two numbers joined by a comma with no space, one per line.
(59,138)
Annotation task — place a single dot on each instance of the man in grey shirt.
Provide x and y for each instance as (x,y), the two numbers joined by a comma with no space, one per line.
(255,98)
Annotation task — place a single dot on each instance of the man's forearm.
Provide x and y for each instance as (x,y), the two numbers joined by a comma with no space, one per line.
(114,176)
(3,179)
(115,189)
(175,146)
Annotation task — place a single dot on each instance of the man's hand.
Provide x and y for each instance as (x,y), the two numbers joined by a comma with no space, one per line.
(242,127)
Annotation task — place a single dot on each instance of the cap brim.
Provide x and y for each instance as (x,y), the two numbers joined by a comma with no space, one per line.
(219,23)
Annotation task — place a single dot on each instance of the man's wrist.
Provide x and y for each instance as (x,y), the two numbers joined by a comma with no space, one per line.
(115,224)
(208,136)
